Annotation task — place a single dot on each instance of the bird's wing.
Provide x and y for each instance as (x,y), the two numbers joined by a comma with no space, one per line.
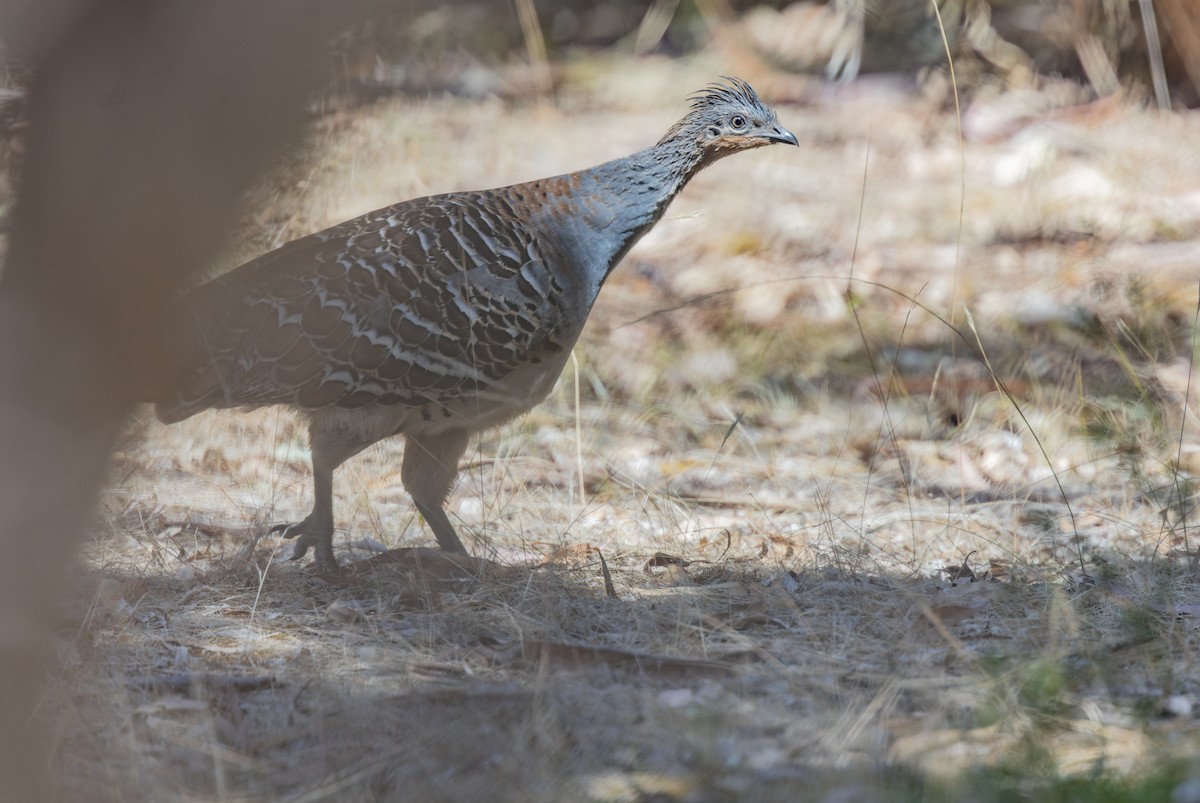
(424,302)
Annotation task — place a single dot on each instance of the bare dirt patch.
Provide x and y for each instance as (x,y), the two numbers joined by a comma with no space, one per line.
(847,549)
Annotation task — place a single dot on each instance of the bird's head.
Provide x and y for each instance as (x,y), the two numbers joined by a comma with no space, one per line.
(727,118)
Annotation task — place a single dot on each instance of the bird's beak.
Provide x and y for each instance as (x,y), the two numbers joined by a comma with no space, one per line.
(780,134)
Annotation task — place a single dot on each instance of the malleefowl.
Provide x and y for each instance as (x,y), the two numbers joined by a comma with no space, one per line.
(439,317)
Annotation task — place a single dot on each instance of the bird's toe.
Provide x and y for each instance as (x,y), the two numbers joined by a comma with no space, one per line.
(288,530)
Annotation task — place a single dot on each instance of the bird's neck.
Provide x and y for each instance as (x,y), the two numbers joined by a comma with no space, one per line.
(652,178)
(617,202)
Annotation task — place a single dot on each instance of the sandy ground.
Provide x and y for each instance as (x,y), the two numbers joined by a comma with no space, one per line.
(886,444)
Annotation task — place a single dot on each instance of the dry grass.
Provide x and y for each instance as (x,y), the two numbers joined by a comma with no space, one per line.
(813,477)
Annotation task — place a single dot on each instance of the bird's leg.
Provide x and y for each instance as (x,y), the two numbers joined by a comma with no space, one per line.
(329,450)
(430,468)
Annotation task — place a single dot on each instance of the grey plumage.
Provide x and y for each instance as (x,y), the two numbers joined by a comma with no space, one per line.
(438,317)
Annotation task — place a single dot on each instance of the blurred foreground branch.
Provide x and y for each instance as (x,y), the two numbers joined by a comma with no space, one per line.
(147,121)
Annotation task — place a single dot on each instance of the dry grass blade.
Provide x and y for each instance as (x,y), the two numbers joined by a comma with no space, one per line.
(654,25)
(610,590)
(1176,487)
(1158,73)
(535,44)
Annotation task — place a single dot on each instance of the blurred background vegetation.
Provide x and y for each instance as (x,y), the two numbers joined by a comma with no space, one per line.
(1144,49)
(1147,51)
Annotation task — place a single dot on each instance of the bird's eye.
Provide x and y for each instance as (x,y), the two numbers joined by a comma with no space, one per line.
(737,121)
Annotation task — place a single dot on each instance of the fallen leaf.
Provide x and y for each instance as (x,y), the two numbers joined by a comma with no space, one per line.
(569,554)
(963,572)
(557,656)
(192,682)
(952,614)
(432,564)
(741,617)
(662,560)
(640,786)
(346,611)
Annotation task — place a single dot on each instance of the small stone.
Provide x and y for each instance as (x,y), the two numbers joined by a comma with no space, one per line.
(1177,705)
(675,698)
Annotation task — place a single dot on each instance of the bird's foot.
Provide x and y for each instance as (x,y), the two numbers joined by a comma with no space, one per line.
(307,536)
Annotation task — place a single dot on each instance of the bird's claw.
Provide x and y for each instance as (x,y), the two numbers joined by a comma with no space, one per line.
(322,548)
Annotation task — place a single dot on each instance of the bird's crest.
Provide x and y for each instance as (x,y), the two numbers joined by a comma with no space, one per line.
(736,91)
(715,96)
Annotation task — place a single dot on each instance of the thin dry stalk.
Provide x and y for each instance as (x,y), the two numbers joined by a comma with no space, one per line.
(535,45)
(654,25)
(1158,73)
